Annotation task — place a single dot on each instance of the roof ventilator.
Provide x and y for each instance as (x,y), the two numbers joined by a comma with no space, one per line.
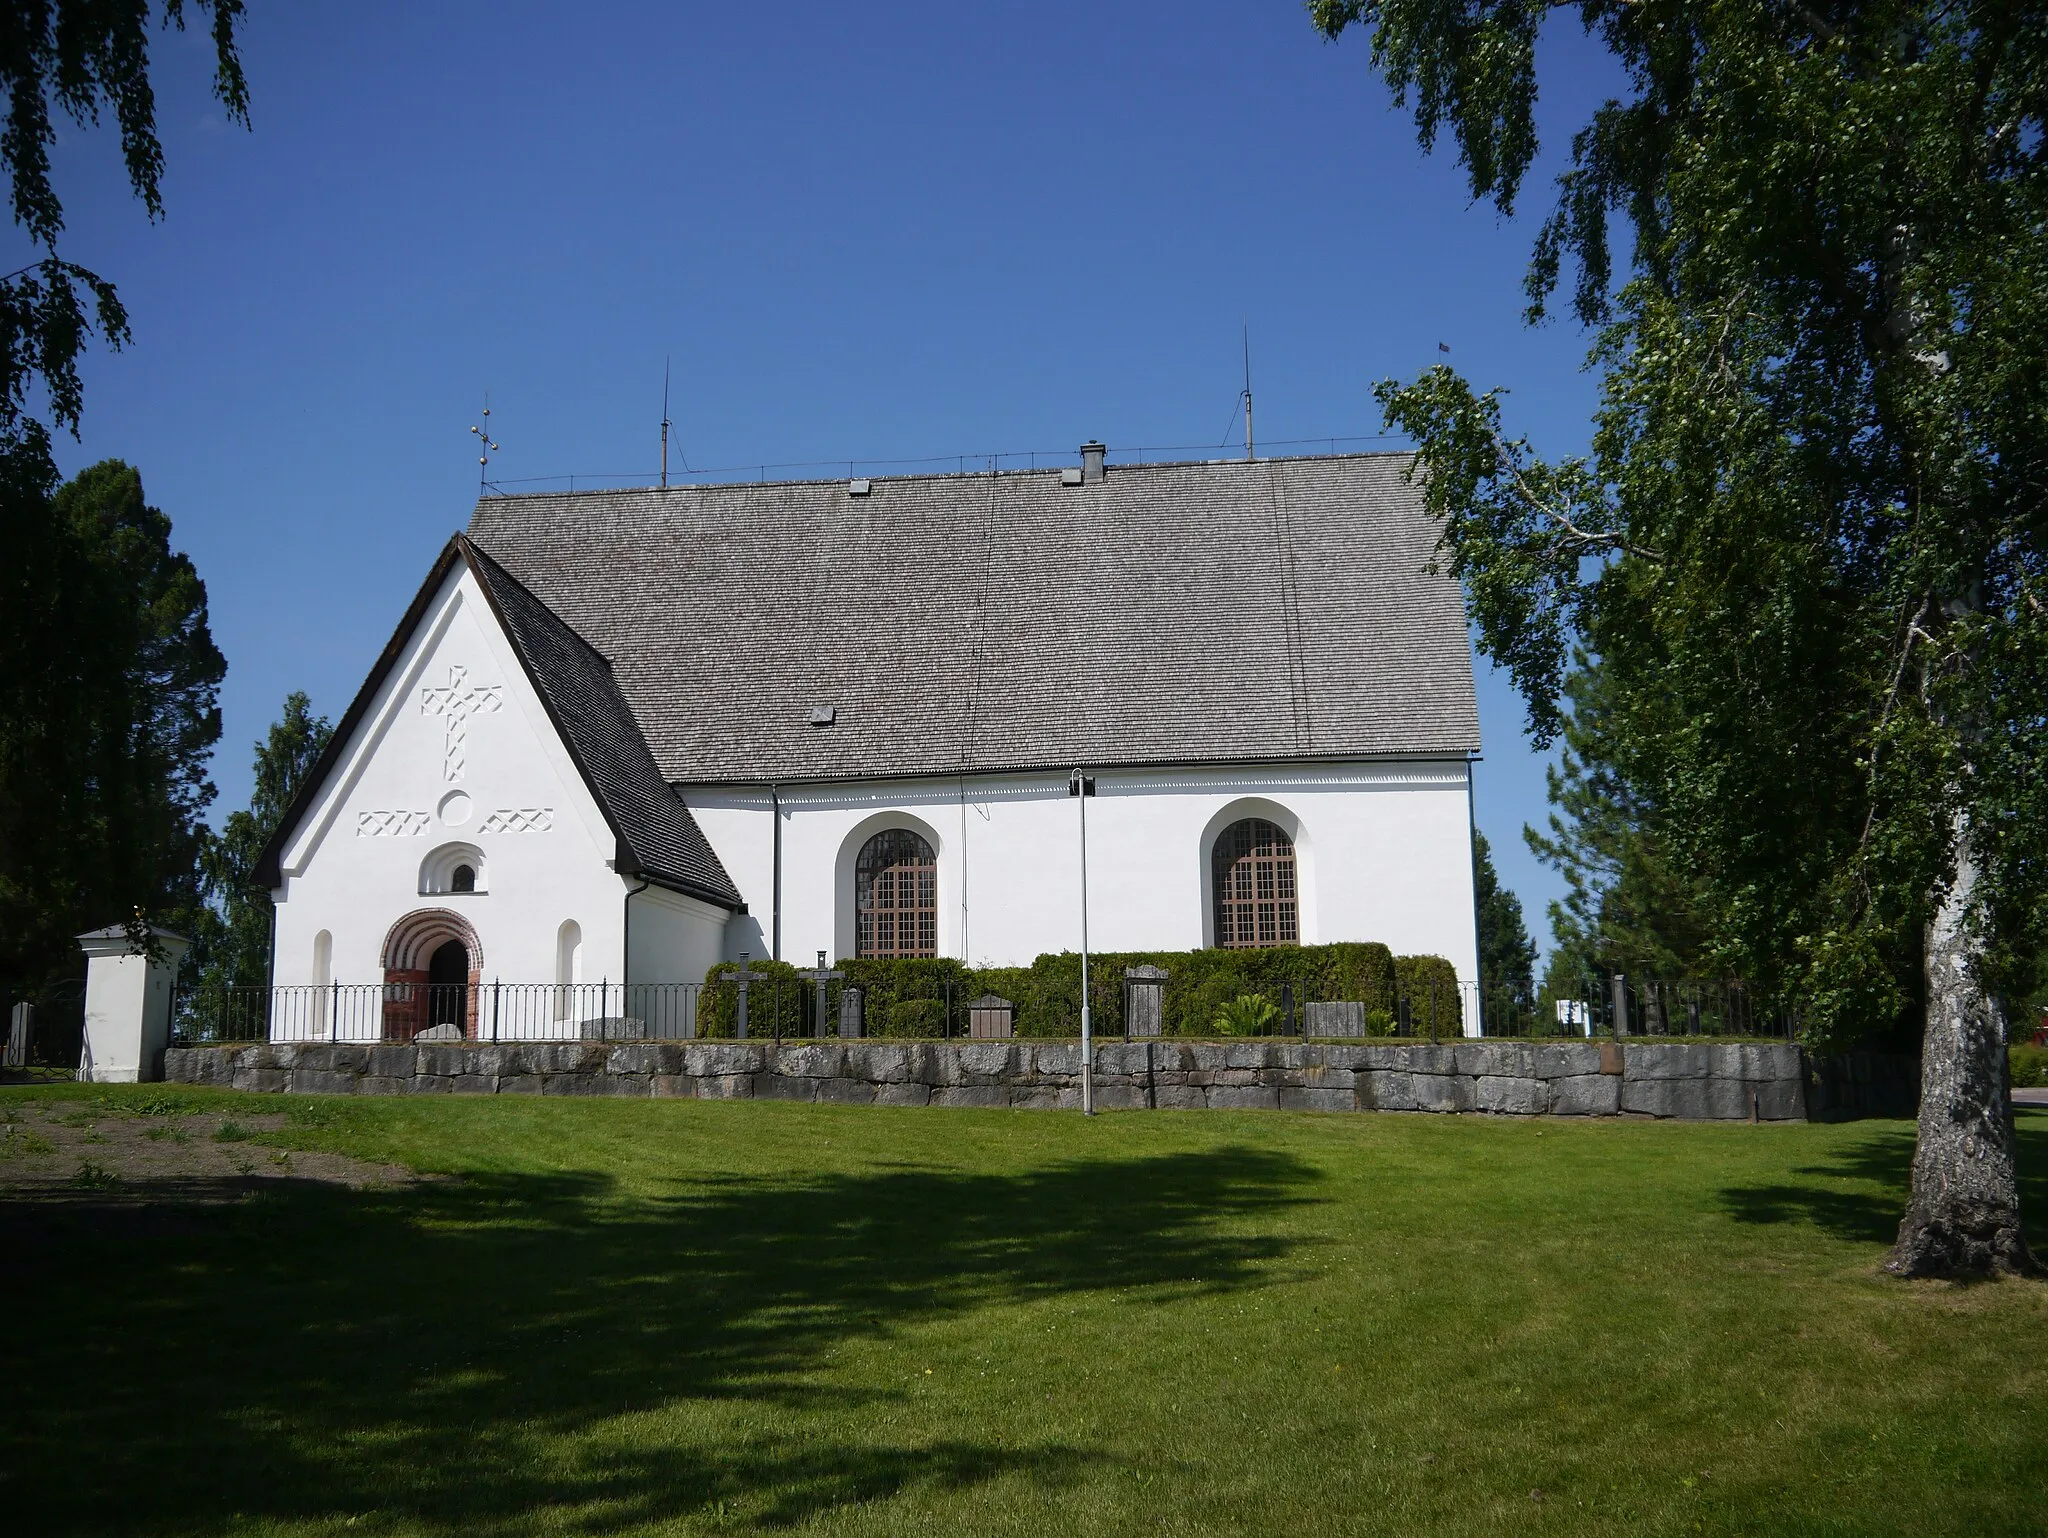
(824,715)
(859,486)
(1071,476)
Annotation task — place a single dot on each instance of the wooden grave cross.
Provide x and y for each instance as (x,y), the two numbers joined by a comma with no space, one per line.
(823,975)
(742,977)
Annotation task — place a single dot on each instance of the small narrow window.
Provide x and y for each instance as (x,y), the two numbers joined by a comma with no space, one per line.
(568,966)
(454,868)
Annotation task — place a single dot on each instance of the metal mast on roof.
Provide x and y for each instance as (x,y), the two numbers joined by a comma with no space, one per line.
(664,424)
(1247,390)
(489,448)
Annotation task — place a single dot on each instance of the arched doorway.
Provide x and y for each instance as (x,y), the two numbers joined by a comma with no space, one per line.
(448,986)
(432,968)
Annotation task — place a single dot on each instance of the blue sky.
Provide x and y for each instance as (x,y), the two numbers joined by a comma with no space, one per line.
(860,233)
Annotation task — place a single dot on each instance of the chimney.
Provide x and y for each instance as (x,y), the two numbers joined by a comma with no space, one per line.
(1091,462)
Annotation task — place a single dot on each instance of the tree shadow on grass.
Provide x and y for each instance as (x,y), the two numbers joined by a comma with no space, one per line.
(449,1355)
(1859,1193)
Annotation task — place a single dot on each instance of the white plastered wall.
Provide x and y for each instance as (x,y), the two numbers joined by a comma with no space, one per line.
(673,938)
(1384,852)
(353,866)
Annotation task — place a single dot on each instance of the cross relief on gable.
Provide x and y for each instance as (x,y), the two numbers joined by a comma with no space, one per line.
(455,704)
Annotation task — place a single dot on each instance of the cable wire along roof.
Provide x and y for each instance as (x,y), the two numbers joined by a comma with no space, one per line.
(1239,611)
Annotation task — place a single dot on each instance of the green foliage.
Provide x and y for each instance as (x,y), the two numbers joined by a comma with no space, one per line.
(107,670)
(2029,1066)
(109,679)
(231,937)
(82,58)
(94,1177)
(1507,956)
(908,997)
(1249,1014)
(1626,909)
(1809,542)
(775,998)
(232,1132)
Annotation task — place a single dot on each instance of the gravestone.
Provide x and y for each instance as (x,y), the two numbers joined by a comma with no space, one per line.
(990,1018)
(743,978)
(821,975)
(1340,1019)
(448,1032)
(850,1021)
(1144,1000)
(21,1034)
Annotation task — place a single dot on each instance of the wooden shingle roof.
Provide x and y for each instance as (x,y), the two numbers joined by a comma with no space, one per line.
(1261,611)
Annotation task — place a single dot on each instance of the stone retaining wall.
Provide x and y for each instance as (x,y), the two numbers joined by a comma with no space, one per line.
(1570,1078)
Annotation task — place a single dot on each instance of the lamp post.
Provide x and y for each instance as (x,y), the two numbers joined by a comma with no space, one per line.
(1081,787)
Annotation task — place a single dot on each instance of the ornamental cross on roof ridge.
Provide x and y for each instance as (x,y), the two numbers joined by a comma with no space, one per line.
(457,703)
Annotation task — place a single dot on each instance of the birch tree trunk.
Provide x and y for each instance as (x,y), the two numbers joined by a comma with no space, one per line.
(1963,1218)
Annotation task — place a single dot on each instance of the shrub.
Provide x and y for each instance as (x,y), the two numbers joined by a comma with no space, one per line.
(908,1017)
(2029,1066)
(1429,984)
(929,996)
(1246,1015)
(774,998)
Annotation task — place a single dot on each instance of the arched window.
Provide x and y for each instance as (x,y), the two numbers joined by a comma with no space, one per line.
(1253,873)
(452,868)
(896,896)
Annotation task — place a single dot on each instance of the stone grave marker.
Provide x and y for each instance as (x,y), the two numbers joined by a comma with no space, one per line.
(1144,1000)
(990,1018)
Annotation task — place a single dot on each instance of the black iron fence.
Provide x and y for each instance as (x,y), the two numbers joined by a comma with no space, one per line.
(795,1007)
(1647,1007)
(403,1012)
(44,1028)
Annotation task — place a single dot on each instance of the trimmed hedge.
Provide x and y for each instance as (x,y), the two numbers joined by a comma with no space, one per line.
(929,996)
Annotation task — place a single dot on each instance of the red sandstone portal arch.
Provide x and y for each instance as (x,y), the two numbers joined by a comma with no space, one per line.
(412,992)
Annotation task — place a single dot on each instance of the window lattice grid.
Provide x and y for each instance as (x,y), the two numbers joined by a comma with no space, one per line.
(896,896)
(1254,881)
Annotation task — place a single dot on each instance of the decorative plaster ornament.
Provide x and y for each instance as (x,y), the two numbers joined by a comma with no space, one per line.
(523,819)
(391,824)
(456,704)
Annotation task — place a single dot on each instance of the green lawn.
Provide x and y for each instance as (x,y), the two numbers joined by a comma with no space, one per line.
(673,1316)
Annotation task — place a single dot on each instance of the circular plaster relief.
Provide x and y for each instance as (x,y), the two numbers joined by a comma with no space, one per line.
(455,808)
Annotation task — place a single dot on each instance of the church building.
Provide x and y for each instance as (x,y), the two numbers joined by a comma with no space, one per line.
(623,735)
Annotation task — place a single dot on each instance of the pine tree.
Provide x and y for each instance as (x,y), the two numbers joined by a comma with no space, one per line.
(1507,956)
(232,945)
